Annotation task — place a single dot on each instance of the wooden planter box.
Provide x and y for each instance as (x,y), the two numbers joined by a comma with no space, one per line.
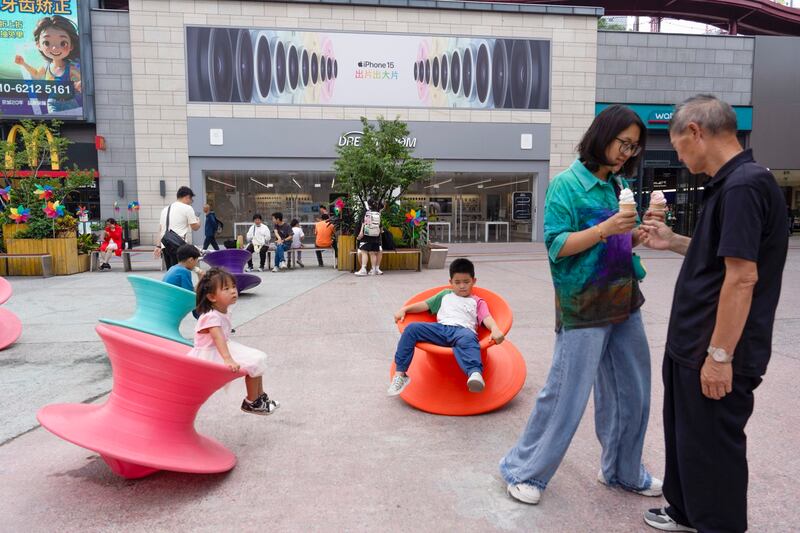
(347,244)
(84,261)
(64,251)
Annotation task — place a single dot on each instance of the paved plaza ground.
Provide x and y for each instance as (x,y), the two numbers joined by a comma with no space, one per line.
(339,455)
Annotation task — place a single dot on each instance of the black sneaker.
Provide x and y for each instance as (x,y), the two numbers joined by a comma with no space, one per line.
(659,519)
(260,406)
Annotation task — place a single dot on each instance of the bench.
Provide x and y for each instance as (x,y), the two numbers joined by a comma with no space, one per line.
(126,258)
(399,251)
(47,262)
(290,254)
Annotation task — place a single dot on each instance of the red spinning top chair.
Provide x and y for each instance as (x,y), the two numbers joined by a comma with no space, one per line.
(147,424)
(10,324)
(438,385)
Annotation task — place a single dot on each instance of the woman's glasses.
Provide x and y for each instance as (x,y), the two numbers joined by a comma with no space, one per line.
(628,148)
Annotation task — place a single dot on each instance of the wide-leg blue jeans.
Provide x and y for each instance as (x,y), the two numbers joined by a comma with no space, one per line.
(615,360)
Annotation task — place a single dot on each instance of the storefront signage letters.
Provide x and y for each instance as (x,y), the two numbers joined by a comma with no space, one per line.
(353,138)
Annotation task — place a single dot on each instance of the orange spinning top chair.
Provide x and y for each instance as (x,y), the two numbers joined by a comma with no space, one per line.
(438,385)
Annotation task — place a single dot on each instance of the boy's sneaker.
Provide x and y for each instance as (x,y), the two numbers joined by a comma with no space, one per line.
(654,490)
(377,271)
(260,269)
(371,272)
(301,264)
(475,382)
(659,519)
(398,384)
(276,269)
(362,272)
(260,406)
(524,493)
(248,269)
(283,265)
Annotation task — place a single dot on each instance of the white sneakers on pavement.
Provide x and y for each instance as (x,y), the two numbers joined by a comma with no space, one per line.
(654,490)
(398,384)
(659,519)
(475,382)
(524,493)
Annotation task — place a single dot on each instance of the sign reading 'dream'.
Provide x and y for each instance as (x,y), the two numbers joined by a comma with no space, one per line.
(353,138)
(271,66)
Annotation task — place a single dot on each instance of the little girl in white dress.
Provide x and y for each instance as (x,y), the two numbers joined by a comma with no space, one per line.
(216,292)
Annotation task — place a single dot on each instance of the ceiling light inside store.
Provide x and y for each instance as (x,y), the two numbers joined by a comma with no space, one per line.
(265,185)
(436,185)
(295,182)
(478,183)
(222,183)
(509,183)
(317,185)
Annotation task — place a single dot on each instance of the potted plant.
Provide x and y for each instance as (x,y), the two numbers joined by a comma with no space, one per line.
(33,216)
(377,167)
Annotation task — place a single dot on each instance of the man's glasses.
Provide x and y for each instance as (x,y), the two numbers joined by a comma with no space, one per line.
(629,149)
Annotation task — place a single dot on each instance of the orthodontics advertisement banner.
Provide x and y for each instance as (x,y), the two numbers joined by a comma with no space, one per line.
(40,59)
(288,67)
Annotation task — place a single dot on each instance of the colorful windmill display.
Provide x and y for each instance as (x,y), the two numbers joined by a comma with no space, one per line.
(133,206)
(414,218)
(5,193)
(53,209)
(19,214)
(44,192)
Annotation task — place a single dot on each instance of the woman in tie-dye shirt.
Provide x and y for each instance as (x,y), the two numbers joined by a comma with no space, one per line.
(600,339)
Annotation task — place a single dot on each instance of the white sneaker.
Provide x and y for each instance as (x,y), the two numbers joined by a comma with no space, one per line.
(371,272)
(524,493)
(378,271)
(475,382)
(398,384)
(654,490)
(362,272)
(248,269)
(276,269)
(283,265)
(260,269)
(659,519)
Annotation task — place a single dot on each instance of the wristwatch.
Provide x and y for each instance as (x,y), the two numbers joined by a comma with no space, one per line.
(719,355)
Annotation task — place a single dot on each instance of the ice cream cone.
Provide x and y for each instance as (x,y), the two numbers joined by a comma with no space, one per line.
(658,209)
(627,208)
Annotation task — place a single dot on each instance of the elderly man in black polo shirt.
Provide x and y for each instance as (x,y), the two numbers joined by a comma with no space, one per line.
(720,328)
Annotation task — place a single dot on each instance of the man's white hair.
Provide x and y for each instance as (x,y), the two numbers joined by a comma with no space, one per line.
(707,111)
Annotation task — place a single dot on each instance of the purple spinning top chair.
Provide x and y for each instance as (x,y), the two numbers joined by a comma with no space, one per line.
(233,261)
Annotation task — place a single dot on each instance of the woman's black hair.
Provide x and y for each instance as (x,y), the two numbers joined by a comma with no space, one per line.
(604,130)
(213,280)
(111,221)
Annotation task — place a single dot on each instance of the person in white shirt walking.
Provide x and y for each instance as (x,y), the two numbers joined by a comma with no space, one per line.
(180,218)
(297,239)
(258,239)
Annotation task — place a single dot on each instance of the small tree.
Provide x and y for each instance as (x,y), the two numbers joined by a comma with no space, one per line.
(380,166)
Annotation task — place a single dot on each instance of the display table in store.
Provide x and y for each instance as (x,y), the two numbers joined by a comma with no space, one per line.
(439,223)
(486,223)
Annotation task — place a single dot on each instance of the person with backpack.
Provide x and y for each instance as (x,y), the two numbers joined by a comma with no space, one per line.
(213,224)
(176,223)
(369,237)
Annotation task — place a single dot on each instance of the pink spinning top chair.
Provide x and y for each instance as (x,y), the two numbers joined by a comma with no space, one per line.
(10,324)
(147,424)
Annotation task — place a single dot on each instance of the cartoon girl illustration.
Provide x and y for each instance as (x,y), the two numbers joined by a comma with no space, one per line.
(57,40)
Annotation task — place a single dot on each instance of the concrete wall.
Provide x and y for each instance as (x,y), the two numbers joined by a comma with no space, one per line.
(776,95)
(159,85)
(642,68)
(114,107)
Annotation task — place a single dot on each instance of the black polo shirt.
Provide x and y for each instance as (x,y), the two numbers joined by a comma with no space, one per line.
(743,216)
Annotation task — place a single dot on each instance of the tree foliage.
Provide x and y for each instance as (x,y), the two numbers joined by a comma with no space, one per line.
(380,166)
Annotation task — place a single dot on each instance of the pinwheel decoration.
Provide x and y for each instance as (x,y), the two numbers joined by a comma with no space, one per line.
(20,214)
(5,193)
(44,192)
(338,205)
(116,207)
(53,209)
(82,211)
(133,206)
(414,218)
